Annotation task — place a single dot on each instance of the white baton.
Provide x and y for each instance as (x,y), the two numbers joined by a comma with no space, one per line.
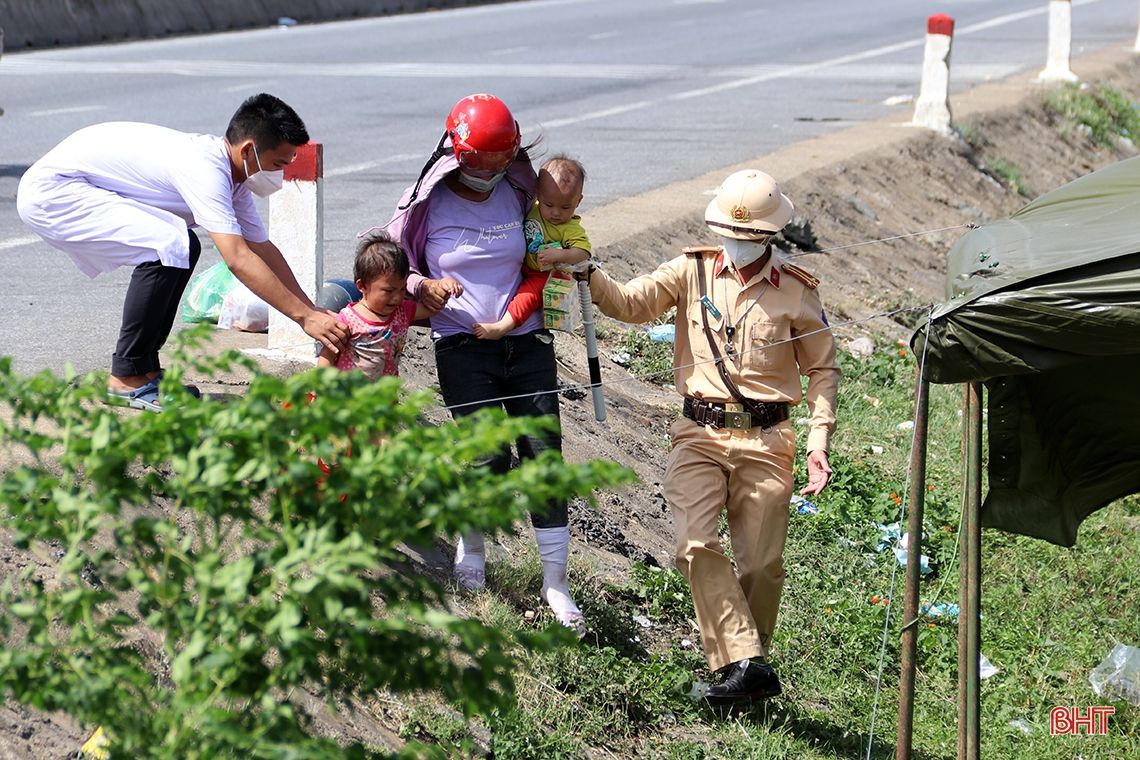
(592,350)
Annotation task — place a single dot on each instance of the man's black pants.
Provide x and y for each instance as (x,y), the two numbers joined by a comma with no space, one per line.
(148,313)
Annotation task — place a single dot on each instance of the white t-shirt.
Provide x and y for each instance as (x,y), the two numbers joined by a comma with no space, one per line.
(185,175)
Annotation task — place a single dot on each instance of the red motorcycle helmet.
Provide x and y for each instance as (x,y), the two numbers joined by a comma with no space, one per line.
(484,135)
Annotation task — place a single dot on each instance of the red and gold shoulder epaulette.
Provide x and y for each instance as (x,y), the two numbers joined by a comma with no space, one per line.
(700,250)
(804,276)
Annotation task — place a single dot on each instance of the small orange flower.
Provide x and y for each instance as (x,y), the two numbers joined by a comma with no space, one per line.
(931,626)
(896,498)
(930,488)
(874,600)
(902,352)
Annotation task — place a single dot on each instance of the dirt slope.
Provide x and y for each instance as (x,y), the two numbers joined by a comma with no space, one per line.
(872,182)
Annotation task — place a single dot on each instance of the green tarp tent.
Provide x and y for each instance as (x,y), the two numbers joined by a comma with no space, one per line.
(1044,310)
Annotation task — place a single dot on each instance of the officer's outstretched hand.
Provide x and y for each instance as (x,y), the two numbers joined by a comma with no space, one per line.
(819,472)
(582,270)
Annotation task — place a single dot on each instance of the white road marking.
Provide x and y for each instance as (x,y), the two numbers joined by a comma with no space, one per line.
(340,171)
(596,114)
(793,71)
(511,50)
(70,109)
(44,65)
(17,242)
(29,66)
(251,87)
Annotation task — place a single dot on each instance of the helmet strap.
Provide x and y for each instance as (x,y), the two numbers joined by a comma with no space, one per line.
(436,154)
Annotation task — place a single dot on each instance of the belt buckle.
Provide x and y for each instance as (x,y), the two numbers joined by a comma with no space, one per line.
(735,418)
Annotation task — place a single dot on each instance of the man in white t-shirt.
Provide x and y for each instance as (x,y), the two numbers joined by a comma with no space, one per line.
(125,194)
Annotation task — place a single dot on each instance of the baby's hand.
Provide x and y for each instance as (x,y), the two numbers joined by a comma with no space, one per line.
(451,287)
(548,257)
(489,330)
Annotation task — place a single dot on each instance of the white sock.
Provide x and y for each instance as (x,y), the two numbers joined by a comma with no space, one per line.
(554,550)
(470,551)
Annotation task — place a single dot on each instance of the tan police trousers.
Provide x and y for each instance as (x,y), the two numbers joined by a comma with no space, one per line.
(749,473)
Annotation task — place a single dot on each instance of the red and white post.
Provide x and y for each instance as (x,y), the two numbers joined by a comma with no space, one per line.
(296,226)
(1060,43)
(932,109)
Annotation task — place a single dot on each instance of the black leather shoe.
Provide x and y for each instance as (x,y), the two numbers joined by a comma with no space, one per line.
(744,681)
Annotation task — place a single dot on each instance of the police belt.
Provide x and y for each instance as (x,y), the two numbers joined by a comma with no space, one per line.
(735,416)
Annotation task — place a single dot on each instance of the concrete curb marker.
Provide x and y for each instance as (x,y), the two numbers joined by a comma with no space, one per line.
(1060,43)
(296,225)
(932,109)
(1136,47)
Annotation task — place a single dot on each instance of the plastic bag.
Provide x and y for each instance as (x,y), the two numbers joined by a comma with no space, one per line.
(205,293)
(561,304)
(242,310)
(1117,677)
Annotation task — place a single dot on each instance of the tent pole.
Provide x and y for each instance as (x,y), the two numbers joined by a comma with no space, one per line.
(917,503)
(962,584)
(970,572)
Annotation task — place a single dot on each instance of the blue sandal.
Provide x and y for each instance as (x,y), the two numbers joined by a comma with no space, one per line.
(144,397)
(191,389)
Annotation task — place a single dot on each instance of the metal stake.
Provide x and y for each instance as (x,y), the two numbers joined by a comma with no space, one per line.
(917,506)
(969,623)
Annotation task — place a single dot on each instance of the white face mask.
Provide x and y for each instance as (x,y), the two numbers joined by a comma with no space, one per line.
(480,185)
(262,183)
(744,252)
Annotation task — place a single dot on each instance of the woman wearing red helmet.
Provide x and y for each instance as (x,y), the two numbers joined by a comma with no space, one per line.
(462,221)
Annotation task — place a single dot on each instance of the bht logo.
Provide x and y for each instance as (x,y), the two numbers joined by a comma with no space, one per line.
(1070,720)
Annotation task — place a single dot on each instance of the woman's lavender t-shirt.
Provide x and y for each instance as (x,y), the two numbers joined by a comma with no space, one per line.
(480,244)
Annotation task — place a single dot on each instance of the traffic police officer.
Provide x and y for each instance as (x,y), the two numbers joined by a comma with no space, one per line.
(748,325)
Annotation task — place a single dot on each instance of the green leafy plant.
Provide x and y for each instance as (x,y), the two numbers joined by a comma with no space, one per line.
(665,592)
(208,567)
(1104,112)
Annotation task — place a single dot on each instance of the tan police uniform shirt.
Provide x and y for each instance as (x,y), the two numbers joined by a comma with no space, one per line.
(780,331)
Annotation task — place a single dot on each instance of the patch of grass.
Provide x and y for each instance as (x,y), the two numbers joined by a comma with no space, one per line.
(1103,112)
(525,734)
(1005,172)
(1009,174)
(438,726)
(1050,615)
(665,592)
(971,134)
(649,359)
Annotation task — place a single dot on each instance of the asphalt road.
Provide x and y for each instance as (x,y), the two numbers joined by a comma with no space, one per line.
(644,92)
